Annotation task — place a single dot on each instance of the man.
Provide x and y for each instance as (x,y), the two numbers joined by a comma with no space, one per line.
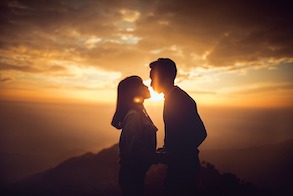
(184,130)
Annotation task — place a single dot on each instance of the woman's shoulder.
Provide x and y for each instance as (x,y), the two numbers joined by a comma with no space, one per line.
(133,114)
(133,119)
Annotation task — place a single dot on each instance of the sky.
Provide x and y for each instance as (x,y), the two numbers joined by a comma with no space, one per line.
(232,53)
(61,62)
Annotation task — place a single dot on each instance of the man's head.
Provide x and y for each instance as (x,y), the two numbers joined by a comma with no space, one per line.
(163,73)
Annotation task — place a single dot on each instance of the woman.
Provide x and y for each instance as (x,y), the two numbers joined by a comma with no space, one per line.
(137,144)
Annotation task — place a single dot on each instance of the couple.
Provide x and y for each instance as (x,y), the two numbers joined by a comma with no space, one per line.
(184,132)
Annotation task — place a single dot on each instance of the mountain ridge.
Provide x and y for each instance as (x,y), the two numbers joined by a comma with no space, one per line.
(97,173)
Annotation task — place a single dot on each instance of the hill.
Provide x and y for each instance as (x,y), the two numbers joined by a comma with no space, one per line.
(97,174)
(265,166)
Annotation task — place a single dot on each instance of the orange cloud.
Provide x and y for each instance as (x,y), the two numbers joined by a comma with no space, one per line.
(124,37)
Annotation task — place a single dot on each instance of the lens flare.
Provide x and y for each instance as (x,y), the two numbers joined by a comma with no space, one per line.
(155,96)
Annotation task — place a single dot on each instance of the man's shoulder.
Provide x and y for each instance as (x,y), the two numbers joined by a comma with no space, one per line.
(180,94)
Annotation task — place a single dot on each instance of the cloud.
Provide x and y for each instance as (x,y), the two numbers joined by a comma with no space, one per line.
(87,32)
(242,31)
(125,36)
(231,31)
(32,69)
(18,68)
(264,88)
(5,79)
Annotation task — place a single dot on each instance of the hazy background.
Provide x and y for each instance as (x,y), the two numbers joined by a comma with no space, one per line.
(37,136)
(61,61)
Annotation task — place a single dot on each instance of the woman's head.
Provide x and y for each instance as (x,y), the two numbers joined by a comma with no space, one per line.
(131,92)
(132,88)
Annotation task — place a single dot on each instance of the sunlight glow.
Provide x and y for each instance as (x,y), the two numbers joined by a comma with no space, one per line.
(155,96)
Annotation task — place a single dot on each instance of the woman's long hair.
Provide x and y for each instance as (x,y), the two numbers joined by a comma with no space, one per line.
(127,90)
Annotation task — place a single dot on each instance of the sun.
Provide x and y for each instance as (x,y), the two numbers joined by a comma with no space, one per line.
(155,96)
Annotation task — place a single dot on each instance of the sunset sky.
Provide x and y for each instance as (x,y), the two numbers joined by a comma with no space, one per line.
(61,62)
(234,53)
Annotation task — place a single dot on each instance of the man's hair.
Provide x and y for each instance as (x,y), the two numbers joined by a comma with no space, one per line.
(165,67)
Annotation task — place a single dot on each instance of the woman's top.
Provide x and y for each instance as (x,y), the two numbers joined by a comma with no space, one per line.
(137,144)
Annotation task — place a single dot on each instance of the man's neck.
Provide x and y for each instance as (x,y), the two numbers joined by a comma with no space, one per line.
(167,90)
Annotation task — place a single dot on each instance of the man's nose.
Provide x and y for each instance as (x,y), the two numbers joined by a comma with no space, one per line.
(151,83)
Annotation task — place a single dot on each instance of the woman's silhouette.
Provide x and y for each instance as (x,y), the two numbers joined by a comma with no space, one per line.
(137,144)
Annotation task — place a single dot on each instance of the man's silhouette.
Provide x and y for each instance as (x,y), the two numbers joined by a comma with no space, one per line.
(184,130)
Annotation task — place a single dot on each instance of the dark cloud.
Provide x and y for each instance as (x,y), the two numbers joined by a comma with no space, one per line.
(32,69)
(59,30)
(267,88)
(4,67)
(57,68)
(6,79)
(224,32)
(231,30)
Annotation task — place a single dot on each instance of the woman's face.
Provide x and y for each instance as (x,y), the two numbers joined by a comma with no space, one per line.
(143,91)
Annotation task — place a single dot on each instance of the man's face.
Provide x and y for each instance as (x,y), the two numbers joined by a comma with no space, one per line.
(156,82)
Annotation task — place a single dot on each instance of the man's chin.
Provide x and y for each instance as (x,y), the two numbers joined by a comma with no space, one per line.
(158,91)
